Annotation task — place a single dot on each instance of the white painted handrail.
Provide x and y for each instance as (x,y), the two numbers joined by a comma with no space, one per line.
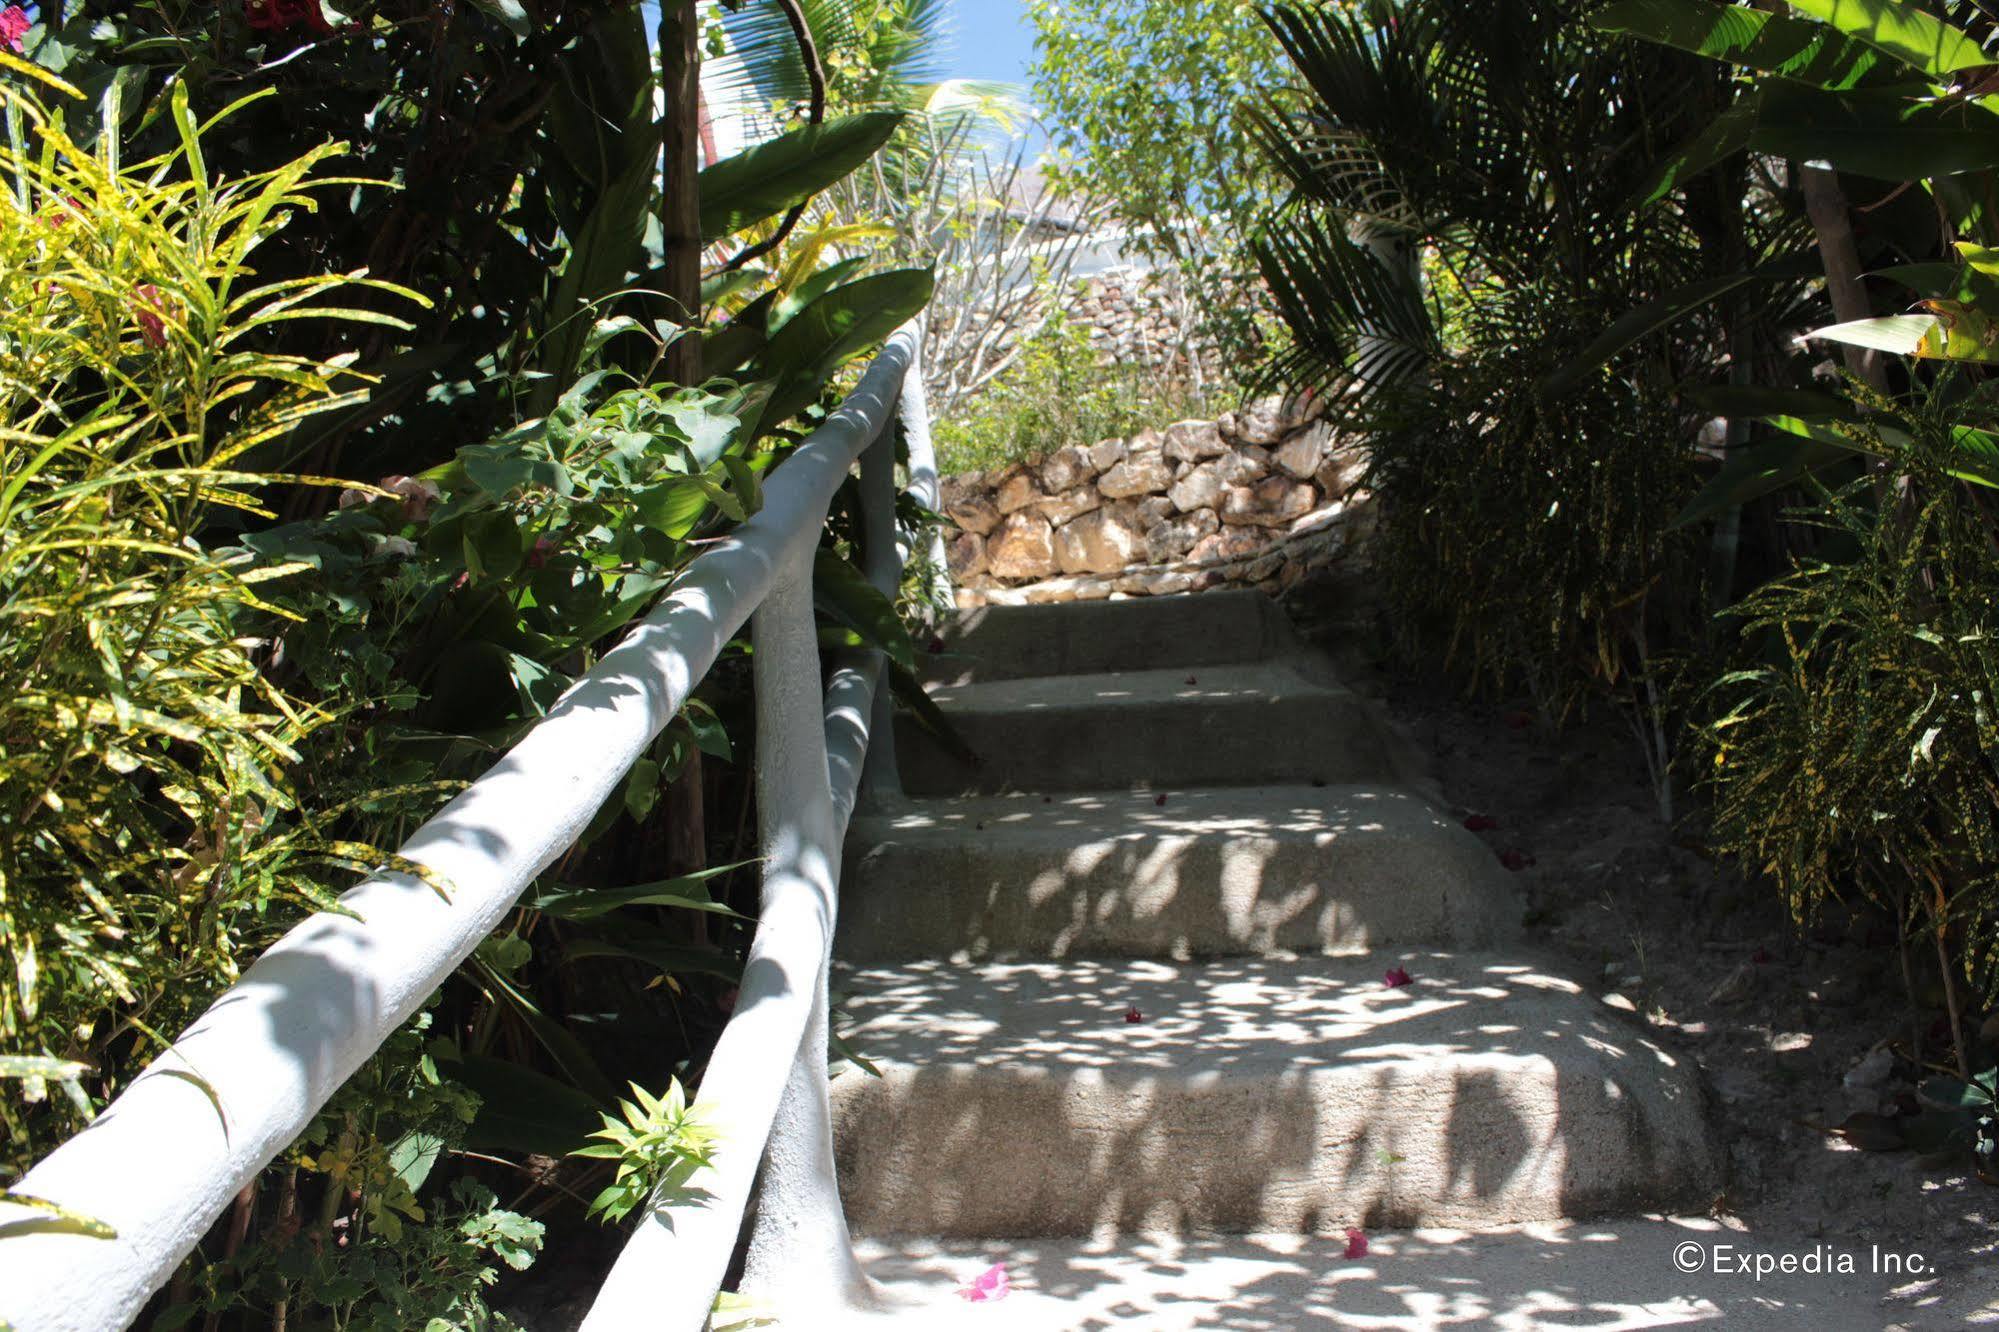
(160,1164)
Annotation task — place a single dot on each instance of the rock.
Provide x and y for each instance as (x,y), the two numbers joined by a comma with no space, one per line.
(1273,502)
(1156,582)
(1201,488)
(1063,508)
(1150,511)
(1106,454)
(1066,589)
(1222,546)
(1245,465)
(1193,441)
(975,513)
(1065,469)
(1016,490)
(1101,543)
(1265,568)
(1262,422)
(1168,541)
(966,555)
(1143,472)
(1022,548)
(1341,470)
(1318,519)
(1299,456)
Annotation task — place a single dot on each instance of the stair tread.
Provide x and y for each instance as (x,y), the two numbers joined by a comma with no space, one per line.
(1606,1275)
(1253,1094)
(1235,682)
(1220,871)
(1294,1015)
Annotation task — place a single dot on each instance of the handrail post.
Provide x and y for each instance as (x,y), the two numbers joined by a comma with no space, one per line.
(800,1239)
(885,552)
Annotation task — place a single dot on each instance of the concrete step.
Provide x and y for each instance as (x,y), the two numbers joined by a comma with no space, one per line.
(1253,1096)
(1213,872)
(1609,1277)
(1252,723)
(1097,637)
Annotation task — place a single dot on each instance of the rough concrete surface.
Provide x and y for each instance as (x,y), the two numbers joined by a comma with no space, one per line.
(1308,1095)
(1228,725)
(1227,871)
(1605,1277)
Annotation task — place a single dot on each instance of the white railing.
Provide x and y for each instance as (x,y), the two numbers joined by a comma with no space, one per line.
(164,1159)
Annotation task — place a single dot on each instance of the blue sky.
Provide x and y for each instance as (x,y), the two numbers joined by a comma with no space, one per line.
(993,40)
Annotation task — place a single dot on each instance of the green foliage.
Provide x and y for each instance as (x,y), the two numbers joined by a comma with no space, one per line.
(1145,102)
(151,835)
(1057,392)
(659,1143)
(366,1236)
(1855,748)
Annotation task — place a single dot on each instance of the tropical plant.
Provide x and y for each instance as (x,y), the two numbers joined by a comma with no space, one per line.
(152,838)
(1145,103)
(1524,523)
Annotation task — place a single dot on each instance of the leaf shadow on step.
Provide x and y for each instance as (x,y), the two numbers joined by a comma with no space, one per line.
(1605,1277)
(1213,872)
(1254,1095)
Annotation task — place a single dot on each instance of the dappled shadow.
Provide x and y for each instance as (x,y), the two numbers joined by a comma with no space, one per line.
(1209,872)
(1244,723)
(1608,1278)
(1254,1095)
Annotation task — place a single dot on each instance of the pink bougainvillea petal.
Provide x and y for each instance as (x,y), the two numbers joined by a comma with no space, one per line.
(1159,801)
(1515,859)
(1396,978)
(1133,1015)
(991,1284)
(14,26)
(1481,822)
(1356,1244)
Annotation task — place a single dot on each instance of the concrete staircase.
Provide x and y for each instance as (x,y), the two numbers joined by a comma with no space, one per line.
(1125,976)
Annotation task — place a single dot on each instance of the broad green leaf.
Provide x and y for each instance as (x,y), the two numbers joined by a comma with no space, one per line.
(688,892)
(765,180)
(522,1110)
(60,1220)
(843,593)
(1728,135)
(40,1066)
(510,14)
(1926,44)
(1757,471)
(825,335)
(1776,43)
(1882,134)
(1954,332)
(558,1040)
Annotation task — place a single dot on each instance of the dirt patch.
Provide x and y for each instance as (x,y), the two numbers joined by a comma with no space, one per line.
(1795,1028)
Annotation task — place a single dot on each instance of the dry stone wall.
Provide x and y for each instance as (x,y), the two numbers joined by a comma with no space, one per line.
(1259,498)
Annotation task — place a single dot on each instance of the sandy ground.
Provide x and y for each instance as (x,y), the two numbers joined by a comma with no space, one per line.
(1776,1014)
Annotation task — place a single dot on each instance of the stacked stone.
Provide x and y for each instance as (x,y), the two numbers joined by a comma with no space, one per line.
(1257,498)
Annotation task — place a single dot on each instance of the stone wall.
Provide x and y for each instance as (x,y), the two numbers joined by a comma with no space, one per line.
(1259,498)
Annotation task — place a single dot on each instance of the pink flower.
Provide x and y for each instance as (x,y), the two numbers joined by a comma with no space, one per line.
(14,26)
(1356,1244)
(1396,978)
(277,15)
(1159,801)
(1133,1015)
(1481,823)
(990,1284)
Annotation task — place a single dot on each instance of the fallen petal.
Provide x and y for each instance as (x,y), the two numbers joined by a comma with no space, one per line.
(1133,1015)
(1481,823)
(990,1284)
(1356,1244)
(1396,978)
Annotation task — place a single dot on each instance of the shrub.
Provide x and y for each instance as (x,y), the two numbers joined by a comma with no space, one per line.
(150,838)
(1855,750)
(1058,392)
